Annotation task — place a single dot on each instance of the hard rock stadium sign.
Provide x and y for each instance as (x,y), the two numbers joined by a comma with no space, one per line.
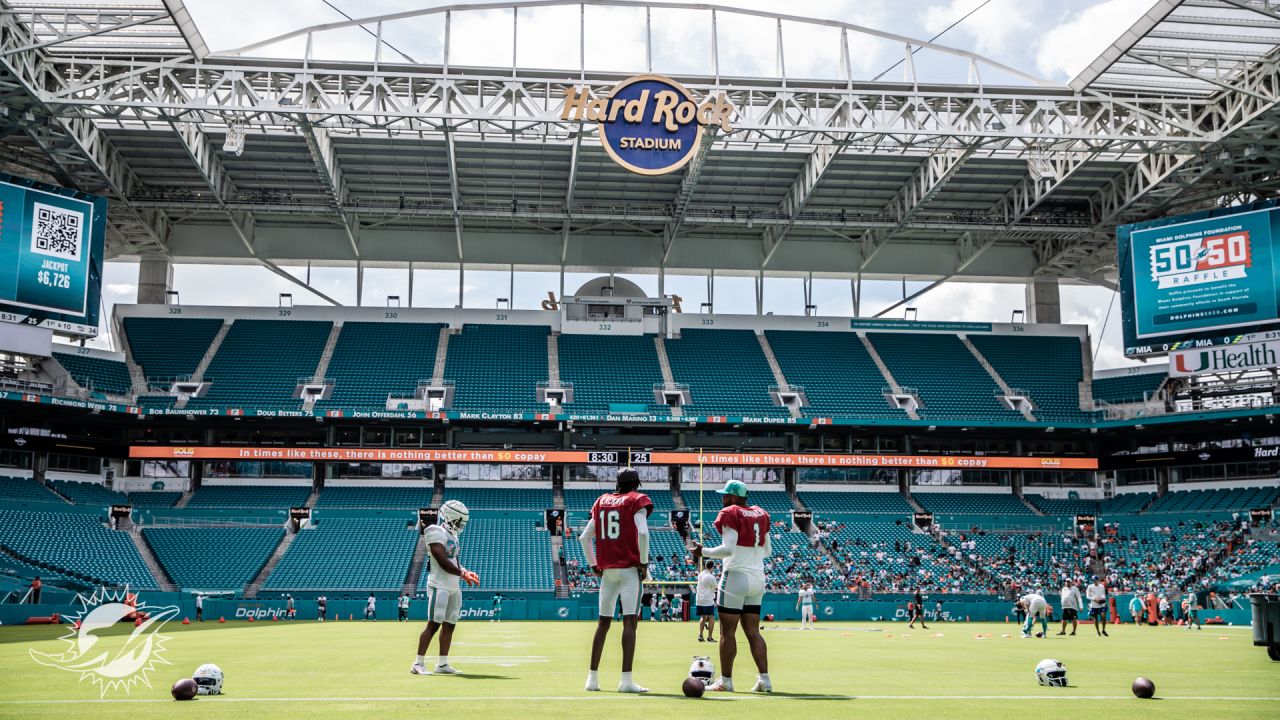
(649,124)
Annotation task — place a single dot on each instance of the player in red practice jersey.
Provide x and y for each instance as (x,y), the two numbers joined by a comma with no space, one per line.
(619,526)
(745,532)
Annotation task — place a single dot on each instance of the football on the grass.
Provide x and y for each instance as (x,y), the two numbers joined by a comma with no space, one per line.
(693,687)
(1144,688)
(184,689)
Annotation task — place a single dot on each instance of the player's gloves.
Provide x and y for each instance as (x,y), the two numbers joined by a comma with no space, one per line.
(470,578)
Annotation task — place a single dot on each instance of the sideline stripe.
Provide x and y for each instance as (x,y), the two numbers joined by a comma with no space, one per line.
(598,697)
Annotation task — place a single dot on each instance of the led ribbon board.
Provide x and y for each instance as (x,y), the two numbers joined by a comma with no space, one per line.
(649,124)
(51,243)
(584,457)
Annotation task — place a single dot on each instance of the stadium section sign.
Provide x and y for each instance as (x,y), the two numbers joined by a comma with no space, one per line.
(649,124)
(574,457)
(1198,281)
(50,256)
(1228,358)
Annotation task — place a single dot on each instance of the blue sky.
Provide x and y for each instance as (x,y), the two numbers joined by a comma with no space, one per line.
(1047,39)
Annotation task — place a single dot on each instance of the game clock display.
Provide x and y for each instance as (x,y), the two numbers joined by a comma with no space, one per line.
(50,256)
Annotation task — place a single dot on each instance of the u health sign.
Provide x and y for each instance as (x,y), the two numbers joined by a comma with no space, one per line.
(1198,281)
(649,124)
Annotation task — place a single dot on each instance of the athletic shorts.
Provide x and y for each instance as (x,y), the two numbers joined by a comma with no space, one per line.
(740,592)
(706,610)
(444,605)
(1098,612)
(1069,613)
(806,609)
(620,584)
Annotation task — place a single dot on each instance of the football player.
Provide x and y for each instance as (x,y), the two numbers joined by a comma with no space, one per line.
(1096,594)
(444,594)
(1036,607)
(705,602)
(744,531)
(615,543)
(804,602)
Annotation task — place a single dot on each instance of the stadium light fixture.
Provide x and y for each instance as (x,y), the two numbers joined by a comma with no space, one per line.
(234,143)
(910,314)
(393,301)
(171,297)
(285,300)
(503,301)
(1018,316)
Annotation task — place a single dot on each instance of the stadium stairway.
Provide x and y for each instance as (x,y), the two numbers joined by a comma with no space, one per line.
(136,375)
(203,367)
(153,563)
(778,377)
(442,354)
(251,590)
(1000,383)
(668,378)
(884,370)
(553,359)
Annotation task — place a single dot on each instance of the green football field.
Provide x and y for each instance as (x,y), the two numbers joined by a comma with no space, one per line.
(534,670)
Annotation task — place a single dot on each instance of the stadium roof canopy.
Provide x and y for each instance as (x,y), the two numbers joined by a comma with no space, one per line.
(380,158)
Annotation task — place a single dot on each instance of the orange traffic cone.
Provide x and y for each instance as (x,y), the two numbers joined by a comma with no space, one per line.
(250,618)
(350,616)
(137,622)
(275,618)
(186,621)
(222,619)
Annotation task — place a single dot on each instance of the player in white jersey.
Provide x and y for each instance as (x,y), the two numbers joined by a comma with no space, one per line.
(1096,594)
(705,602)
(444,594)
(745,531)
(1035,606)
(804,602)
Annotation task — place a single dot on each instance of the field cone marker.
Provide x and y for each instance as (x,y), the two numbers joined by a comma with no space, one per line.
(222,619)
(186,621)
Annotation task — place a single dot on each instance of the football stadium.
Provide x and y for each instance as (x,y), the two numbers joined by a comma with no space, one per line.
(580,357)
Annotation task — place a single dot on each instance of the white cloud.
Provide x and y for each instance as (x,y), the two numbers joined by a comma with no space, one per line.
(1068,47)
(995,28)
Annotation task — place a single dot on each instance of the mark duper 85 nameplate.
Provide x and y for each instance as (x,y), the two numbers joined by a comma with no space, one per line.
(649,124)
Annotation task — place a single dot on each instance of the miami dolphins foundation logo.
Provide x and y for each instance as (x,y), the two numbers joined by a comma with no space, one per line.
(112,660)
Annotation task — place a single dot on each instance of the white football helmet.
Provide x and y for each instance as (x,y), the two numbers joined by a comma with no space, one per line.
(454,515)
(208,679)
(1051,673)
(703,669)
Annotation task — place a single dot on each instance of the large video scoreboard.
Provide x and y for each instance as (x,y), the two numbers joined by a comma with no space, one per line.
(1199,280)
(51,244)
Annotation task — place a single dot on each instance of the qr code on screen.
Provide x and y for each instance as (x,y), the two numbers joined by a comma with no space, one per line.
(56,232)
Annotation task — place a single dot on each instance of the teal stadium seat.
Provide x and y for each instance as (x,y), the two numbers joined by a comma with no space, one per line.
(1219,500)
(507,554)
(169,347)
(497,497)
(95,373)
(1120,389)
(76,544)
(372,360)
(971,503)
(611,373)
(225,558)
(497,368)
(354,554)
(154,499)
(952,385)
(26,489)
(826,502)
(1048,368)
(726,372)
(280,497)
(406,498)
(89,493)
(259,363)
(839,377)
